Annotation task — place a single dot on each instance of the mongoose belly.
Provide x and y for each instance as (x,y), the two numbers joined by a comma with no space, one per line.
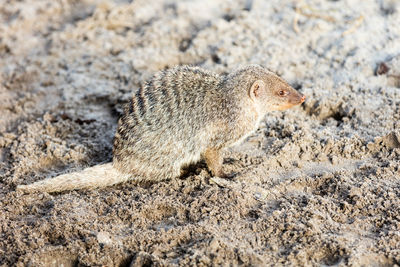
(156,154)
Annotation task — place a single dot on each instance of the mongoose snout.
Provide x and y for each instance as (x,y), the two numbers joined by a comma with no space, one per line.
(297,99)
(290,99)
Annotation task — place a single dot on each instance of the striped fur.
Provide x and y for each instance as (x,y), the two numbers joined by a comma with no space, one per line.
(179,116)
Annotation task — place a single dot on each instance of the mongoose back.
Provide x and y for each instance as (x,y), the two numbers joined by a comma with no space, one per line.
(178,117)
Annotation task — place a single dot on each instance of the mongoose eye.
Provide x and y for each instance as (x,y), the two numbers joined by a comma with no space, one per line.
(282,93)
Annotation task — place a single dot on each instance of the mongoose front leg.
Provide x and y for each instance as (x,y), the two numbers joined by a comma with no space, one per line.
(214,161)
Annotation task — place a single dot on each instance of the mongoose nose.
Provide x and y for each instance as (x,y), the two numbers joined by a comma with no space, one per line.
(303,98)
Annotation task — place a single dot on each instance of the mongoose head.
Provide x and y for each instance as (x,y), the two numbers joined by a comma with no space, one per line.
(269,92)
(273,93)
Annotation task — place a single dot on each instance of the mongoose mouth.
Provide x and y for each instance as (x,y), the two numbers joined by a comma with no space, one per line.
(292,102)
(285,106)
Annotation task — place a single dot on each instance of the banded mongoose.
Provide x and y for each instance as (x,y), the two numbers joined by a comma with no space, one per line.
(180,116)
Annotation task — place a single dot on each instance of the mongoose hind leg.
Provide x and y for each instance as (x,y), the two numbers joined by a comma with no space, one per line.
(214,161)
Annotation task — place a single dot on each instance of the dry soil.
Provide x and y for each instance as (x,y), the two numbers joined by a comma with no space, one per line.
(318,185)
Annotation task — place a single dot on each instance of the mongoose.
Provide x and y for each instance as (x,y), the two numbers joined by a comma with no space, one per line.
(178,117)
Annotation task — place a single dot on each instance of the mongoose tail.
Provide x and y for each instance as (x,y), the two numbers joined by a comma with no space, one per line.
(93,177)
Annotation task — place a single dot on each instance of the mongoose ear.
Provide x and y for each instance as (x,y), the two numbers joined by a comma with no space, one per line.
(256,89)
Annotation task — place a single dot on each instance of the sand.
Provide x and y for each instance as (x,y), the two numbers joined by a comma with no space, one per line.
(317,185)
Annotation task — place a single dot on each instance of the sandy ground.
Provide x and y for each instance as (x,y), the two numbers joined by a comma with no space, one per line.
(318,185)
